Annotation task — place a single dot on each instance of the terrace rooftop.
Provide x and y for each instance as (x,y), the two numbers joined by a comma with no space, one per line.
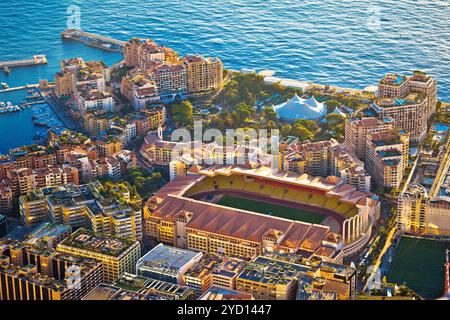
(87,240)
(272,272)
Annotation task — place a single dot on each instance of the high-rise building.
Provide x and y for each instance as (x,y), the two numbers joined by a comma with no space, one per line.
(141,52)
(409,100)
(6,198)
(170,79)
(387,155)
(138,89)
(358,129)
(344,164)
(94,100)
(204,75)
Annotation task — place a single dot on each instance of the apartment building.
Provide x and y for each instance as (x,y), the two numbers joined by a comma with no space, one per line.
(6,198)
(140,52)
(200,276)
(170,79)
(97,121)
(138,89)
(82,206)
(32,273)
(387,156)
(94,100)
(420,214)
(108,144)
(284,277)
(409,100)
(204,75)
(33,208)
(344,164)
(148,119)
(358,129)
(118,256)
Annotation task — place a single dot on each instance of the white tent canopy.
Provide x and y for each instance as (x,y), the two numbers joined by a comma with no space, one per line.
(299,108)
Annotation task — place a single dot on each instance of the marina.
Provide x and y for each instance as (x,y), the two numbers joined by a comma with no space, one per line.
(26,115)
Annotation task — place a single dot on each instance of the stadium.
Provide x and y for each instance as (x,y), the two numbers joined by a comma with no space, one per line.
(244,211)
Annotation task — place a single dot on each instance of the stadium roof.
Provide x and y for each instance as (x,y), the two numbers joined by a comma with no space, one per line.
(241,224)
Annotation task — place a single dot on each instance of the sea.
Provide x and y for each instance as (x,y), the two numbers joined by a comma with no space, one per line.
(349,43)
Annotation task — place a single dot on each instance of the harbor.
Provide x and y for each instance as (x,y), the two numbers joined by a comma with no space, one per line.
(94,40)
(26,116)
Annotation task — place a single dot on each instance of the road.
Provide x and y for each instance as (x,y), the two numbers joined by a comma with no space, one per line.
(376,266)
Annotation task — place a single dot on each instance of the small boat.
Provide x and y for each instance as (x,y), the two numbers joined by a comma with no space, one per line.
(4,85)
(6,70)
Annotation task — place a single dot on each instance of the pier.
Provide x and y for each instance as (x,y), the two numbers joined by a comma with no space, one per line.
(27,86)
(94,40)
(35,60)
(27,104)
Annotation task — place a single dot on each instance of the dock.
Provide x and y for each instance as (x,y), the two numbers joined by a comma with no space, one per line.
(35,60)
(94,40)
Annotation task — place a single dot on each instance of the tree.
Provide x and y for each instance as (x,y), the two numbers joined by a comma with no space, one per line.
(270,114)
(243,112)
(286,130)
(332,104)
(271,125)
(308,124)
(301,132)
(336,124)
(182,113)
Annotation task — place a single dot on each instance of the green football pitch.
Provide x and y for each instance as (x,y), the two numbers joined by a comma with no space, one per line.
(271,209)
(419,263)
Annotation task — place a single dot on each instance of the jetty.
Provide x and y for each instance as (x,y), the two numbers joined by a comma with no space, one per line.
(27,86)
(94,40)
(35,60)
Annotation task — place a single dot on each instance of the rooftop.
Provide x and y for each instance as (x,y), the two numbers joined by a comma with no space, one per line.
(46,231)
(207,264)
(168,258)
(87,240)
(271,271)
(216,293)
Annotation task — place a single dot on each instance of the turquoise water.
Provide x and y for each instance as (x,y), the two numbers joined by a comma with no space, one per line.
(333,42)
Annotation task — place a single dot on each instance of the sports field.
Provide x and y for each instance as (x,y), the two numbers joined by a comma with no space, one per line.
(271,209)
(419,263)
